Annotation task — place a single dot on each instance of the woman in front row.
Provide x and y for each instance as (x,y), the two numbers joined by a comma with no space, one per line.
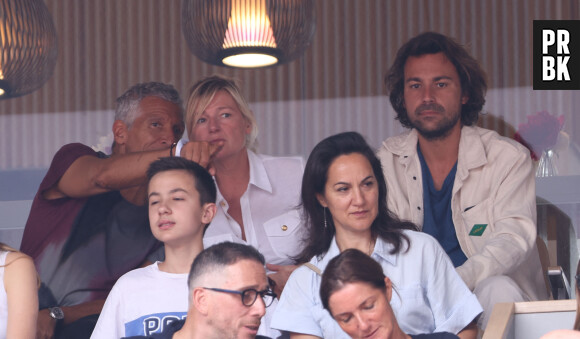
(18,294)
(357,294)
(344,200)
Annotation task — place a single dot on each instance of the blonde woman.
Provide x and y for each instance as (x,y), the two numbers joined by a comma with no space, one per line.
(18,294)
(258,194)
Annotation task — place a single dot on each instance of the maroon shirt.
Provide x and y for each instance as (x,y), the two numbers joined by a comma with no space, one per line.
(82,246)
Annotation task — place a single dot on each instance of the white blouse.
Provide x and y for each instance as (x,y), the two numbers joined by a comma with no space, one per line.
(270,211)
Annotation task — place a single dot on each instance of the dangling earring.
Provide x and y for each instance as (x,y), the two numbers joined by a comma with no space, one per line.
(325,223)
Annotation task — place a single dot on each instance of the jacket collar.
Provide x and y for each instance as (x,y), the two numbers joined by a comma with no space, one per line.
(403,145)
(471,149)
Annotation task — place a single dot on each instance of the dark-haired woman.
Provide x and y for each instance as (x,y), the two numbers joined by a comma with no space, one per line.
(344,200)
(357,294)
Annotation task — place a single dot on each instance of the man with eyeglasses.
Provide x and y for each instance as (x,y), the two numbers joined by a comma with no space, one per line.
(228,295)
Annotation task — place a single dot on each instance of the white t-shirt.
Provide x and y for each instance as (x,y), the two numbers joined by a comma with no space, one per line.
(142,302)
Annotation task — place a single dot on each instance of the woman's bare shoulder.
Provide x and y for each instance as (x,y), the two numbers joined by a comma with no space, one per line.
(14,257)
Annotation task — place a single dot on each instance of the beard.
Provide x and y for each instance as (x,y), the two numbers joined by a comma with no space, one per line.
(443,127)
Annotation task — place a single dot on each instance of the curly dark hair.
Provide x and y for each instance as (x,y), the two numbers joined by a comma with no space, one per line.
(471,75)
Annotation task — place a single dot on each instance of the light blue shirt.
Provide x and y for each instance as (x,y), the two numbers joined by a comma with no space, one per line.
(429,296)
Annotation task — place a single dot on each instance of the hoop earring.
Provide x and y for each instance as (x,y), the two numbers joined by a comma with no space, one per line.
(325,223)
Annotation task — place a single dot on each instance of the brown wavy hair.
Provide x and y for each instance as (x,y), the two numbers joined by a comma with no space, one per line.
(471,75)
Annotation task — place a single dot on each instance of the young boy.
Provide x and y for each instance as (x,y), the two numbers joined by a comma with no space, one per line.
(182,198)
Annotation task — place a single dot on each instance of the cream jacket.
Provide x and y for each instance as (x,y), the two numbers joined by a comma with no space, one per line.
(494,191)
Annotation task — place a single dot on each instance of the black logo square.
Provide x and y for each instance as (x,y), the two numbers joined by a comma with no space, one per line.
(556,54)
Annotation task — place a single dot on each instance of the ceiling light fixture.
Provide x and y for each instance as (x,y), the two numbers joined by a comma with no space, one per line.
(248,33)
(28,47)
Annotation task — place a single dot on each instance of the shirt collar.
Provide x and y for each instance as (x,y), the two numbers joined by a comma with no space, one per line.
(322,260)
(258,174)
(381,251)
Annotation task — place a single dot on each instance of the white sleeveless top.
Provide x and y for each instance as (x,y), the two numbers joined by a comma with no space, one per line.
(3,298)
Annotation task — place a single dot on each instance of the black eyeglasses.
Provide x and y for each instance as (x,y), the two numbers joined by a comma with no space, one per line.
(250,295)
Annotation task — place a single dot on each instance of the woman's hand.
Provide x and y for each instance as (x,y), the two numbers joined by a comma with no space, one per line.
(280,277)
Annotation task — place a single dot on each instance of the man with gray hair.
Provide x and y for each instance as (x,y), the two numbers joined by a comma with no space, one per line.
(228,295)
(88,224)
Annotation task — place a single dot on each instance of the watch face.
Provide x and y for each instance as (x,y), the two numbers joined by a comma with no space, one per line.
(56,313)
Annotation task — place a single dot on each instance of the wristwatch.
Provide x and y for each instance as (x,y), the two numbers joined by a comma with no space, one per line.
(56,313)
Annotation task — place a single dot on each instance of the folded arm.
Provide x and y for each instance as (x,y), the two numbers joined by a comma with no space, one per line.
(90,175)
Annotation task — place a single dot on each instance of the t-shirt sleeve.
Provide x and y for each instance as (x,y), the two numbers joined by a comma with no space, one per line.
(454,306)
(110,323)
(294,311)
(62,160)
(51,219)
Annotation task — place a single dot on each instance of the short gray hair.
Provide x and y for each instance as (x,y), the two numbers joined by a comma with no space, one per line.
(128,103)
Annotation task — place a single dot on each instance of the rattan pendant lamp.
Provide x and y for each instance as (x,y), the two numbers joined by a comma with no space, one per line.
(248,33)
(28,47)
